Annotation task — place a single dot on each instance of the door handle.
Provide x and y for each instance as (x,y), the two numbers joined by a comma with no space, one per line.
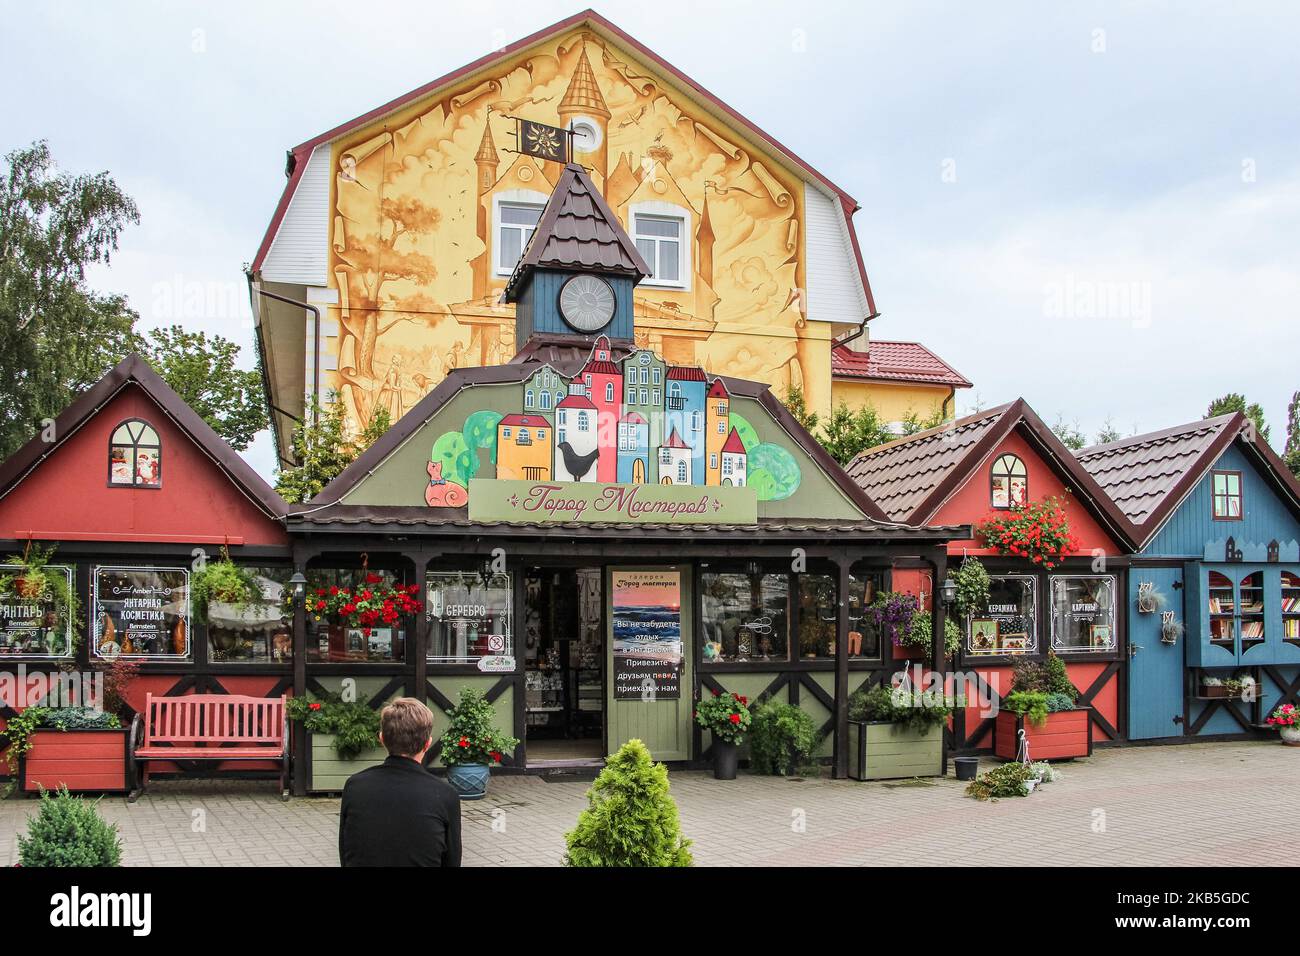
(1133,650)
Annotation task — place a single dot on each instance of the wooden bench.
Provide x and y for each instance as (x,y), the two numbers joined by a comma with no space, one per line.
(210,727)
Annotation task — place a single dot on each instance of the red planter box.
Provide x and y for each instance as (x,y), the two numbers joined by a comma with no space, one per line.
(86,761)
(1066,734)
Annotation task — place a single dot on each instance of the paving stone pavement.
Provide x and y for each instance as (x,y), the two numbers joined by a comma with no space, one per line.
(1160,806)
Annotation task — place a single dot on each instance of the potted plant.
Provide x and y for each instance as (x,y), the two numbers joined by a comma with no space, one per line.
(972,582)
(343,738)
(68,831)
(920,638)
(472,745)
(1213,687)
(376,602)
(30,578)
(223,582)
(1043,703)
(783,739)
(1287,721)
(1014,779)
(894,614)
(895,732)
(1038,531)
(727,718)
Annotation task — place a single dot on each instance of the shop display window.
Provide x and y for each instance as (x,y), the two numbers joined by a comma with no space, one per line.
(1008,624)
(31,624)
(864,636)
(135,455)
(1251,609)
(141,613)
(1008,482)
(1083,613)
(817,614)
(332,638)
(1290,607)
(260,632)
(469,616)
(745,616)
(1222,606)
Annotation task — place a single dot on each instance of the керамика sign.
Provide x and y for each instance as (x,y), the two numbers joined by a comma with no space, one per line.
(492,500)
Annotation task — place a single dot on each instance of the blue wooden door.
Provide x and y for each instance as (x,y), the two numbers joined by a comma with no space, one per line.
(1155,669)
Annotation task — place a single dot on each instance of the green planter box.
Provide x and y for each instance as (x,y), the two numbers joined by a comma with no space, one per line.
(888,751)
(328,772)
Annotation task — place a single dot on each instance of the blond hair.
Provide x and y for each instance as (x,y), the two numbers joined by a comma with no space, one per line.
(407,726)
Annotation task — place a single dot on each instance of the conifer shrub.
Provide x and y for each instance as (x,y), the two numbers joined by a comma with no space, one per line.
(783,738)
(630,820)
(68,831)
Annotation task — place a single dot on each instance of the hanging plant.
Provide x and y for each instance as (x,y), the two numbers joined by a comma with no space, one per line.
(374,603)
(32,579)
(894,613)
(1171,631)
(922,633)
(1038,531)
(1149,600)
(225,582)
(972,582)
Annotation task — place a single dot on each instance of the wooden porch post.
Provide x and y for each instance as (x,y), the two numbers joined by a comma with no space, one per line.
(840,753)
(300,556)
(420,635)
(938,618)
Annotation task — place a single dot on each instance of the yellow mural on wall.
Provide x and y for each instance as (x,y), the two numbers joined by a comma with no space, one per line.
(431,205)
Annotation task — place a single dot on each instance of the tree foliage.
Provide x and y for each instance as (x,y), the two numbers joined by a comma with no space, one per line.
(1070,435)
(57,337)
(1234,402)
(323,448)
(1292,451)
(849,431)
(202,370)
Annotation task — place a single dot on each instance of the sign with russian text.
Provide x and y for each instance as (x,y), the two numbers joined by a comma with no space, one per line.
(560,501)
(31,624)
(141,612)
(646,617)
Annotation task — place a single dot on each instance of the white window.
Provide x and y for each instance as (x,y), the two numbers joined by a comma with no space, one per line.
(582,421)
(560,437)
(523,436)
(528,398)
(713,461)
(655,399)
(631,394)
(609,391)
(643,396)
(722,428)
(546,399)
(515,224)
(726,467)
(655,374)
(563,417)
(695,420)
(665,456)
(681,471)
(505,432)
(663,234)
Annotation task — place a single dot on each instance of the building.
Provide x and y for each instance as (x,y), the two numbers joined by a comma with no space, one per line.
(524,448)
(379,299)
(734,457)
(675,461)
(634,449)
(717,429)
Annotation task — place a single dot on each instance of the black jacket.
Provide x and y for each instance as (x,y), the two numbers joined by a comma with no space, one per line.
(399,814)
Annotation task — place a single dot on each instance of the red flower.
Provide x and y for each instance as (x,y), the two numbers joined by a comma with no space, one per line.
(314,705)
(334,590)
(496,756)
(464,742)
(734,718)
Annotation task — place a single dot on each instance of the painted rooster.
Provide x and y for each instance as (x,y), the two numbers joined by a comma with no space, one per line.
(575,464)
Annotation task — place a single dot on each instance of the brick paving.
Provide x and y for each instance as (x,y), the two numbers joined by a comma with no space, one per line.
(1161,806)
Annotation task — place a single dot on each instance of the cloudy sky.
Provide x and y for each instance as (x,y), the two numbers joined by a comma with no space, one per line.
(1093,205)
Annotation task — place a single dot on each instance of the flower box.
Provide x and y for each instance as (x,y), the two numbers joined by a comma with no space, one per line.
(1065,734)
(85,761)
(910,652)
(328,771)
(882,750)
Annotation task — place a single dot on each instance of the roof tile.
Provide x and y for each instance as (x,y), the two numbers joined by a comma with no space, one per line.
(895,361)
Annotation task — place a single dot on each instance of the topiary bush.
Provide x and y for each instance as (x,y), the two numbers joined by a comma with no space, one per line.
(68,831)
(782,739)
(630,820)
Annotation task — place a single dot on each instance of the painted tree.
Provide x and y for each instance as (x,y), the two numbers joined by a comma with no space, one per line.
(57,336)
(1234,402)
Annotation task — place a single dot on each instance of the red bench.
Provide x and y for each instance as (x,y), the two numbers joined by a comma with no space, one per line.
(211,727)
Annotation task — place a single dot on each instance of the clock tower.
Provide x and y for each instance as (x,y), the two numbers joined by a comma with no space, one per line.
(578,271)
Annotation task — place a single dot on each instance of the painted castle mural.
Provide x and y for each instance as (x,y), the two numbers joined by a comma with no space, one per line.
(432,208)
(634,421)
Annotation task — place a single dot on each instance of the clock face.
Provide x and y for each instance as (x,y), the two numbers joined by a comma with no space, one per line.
(587,303)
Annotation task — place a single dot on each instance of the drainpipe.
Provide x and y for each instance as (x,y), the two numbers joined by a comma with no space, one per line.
(315,365)
(861,328)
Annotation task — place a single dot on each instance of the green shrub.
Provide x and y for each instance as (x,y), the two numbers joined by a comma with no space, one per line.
(922,633)
(872,705)
(1058,679)
(68,831)
(472,736)
(1008,780)
(630,820)
(354,723)
(1030,703)
(782,739)
(918,710)
(1059,702)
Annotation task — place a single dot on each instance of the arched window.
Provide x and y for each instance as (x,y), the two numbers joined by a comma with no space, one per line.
(681,471)
(135,455)
(1009,484)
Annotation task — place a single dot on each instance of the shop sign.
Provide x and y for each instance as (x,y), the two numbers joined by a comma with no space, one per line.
(29,626)
(141,612)
(497,664)
(560,501)
(646,615)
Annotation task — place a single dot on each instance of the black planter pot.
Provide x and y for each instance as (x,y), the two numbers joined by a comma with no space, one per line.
(725,759)
(968,768)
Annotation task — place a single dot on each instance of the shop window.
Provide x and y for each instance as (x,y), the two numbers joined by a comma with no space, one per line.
(1008,624)
(1222,608)
(864,637)
(1290,607)
(470,617)
(141,613)
(334,639)
(1083,613)
(1227,495)
(33,625)
(260,632)
(1251,602)
(817,611)
(744,614)
(1009,484)
(135,455)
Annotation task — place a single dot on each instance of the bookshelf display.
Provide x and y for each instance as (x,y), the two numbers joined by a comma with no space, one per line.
(1291,608)
(1251,610)
(1222,607)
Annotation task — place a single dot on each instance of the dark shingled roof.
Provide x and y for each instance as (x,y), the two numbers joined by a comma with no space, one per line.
(1139,473)
(900,475)
(577,230)
(567,354)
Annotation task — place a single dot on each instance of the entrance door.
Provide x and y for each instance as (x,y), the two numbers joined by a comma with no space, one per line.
(649,693)
(1155,669)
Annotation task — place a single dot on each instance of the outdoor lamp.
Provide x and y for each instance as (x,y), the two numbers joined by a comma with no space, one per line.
(948,590)
(485,572)
(299,584)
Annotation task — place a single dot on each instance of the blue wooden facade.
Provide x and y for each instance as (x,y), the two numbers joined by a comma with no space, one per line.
(1234,585)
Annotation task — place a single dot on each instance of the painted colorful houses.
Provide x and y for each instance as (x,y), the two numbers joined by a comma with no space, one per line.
(524,447)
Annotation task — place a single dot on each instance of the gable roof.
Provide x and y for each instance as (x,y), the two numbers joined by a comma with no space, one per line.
(912,477)
(134,370)
(895,362)
(1149,476)
(733,444)
(460,378)
(296,161)
(577,230)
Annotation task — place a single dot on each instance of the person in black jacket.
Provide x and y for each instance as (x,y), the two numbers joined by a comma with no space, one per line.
(398,813)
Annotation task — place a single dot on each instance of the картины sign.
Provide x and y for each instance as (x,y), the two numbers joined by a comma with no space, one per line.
(646,614)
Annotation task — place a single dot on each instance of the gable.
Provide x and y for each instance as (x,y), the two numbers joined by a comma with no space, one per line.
(66,496)
(970,503)
(1191,528)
